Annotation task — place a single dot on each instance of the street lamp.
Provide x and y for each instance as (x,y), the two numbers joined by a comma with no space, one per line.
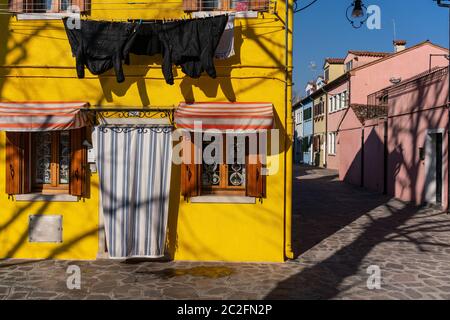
(358,15)
(357,9)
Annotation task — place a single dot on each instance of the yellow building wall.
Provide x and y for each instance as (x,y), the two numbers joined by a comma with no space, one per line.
(320,123)
(335,70)
(36,64)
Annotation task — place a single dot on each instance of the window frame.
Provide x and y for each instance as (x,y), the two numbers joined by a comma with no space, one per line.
(332,143)
(326,74)
(223,5)
(307,114)
(344,99)
(18,164)
(349,66)
(55,187)
(25,8)
(224,189)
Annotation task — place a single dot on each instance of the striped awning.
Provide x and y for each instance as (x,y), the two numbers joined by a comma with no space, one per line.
(41,116)
(225,116)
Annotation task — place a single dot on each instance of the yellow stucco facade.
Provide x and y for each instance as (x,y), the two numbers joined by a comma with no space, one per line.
(335,70)
(36,65)
(320,129)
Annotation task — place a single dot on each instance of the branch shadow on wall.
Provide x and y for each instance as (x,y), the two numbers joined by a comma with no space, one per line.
(381,219)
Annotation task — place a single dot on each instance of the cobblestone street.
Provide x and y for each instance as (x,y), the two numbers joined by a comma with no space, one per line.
(339,231)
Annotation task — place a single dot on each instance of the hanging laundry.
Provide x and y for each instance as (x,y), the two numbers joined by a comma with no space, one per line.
(225,49)
(147,40)
(191,44)
(101,46)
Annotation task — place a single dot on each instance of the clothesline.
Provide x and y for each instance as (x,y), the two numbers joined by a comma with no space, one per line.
(192,45)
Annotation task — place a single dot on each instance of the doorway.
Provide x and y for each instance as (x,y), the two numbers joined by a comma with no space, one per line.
(434,171)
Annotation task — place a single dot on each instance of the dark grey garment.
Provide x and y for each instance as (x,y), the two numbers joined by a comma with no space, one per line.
(101,46)
(191,44)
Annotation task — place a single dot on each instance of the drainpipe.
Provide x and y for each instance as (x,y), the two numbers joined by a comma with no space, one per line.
(362,156)
(326,126)
(386,159)
(288,167)
(448,127)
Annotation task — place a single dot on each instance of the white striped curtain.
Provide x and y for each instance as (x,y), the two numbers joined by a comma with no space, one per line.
(134,167)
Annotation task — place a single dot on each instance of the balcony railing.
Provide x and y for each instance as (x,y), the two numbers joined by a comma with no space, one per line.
(61,6)
(369,112)
(228,5)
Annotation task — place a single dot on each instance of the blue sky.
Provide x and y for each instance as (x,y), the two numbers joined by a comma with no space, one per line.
(323,31)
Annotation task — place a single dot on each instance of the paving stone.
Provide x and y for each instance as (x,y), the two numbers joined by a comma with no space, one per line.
(17,296)
(413,294)
(4,290)
(338,232)
(180,293)
(43,295)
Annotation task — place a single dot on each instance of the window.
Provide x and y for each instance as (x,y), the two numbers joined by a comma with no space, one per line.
(383,100)
(332,143)
(236,171)
(327,74)
(316,144)
(298,116)
(306,144)
(344,97)
(46,6)
(232,5)
(338,102)
(46,162)
(224,178)
(349,66)
(51,161)
(319,108)
(307,114)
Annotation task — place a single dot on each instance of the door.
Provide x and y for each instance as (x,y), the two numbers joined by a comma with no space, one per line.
(134,165)
(439,168)
(433,163)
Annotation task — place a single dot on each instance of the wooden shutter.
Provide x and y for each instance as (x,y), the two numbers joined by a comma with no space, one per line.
(78,163)
(84,5)
(259,5)
(190,172)
(191,5)
(17,163)
(255,180)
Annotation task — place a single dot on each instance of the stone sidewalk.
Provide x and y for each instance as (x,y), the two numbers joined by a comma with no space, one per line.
(339,231)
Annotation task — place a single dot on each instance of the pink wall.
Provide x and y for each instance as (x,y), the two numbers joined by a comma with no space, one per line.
(413,113)
(349,148)
(359,61)
(333,122)
(350,156)
(405,65)
(374,155)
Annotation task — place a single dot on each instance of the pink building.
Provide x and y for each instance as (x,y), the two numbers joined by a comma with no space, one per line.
(403,140)
(368,72)
(417,139)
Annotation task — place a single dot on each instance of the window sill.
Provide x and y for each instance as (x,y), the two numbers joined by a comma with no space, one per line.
(224,199)
(240,14)
(38,197)
(46,16)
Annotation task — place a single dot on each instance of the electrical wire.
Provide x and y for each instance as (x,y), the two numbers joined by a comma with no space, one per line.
(305,7)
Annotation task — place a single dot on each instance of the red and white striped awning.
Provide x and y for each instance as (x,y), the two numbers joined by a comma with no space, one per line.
(42,116)
(225,116)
